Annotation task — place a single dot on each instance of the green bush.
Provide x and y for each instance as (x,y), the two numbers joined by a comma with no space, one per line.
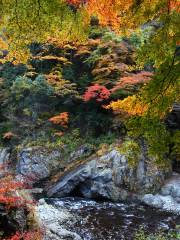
(24,88)
(172,235)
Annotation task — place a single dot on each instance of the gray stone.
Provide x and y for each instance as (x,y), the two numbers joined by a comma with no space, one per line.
(109,176)
(37,163)
(4,160)
(176,191)
(56,222)
(168,199)
(152,200)
(83,151)
(166,190)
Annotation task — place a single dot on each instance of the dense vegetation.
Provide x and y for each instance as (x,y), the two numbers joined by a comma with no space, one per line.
(75,72)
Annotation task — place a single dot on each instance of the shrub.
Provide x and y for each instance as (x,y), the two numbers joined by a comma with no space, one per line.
(61,119)
(96,92)
(24,87)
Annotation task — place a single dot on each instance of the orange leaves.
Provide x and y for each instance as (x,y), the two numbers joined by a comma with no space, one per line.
(130,105)
(61,119)
(8,135)
(175,5)
(109,12)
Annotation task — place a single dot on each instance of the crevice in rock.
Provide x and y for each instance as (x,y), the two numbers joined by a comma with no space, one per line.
(76,192)
(176,166)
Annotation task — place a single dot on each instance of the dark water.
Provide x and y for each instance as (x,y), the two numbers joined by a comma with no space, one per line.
(115,221)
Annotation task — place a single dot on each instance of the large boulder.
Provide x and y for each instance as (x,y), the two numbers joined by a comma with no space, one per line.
(37,163)
(168,198)
(56,222)
(40,162)
(110,176)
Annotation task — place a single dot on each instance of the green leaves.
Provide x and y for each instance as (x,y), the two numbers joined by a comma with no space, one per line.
(27,21)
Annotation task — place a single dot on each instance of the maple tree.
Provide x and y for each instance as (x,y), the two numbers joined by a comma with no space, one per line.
(11,200)
(61,119)
(97,92)
(8,192)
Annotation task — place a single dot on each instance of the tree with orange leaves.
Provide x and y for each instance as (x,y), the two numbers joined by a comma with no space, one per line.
(61,119)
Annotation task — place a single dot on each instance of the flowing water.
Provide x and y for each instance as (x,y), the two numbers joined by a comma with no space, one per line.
(115,221)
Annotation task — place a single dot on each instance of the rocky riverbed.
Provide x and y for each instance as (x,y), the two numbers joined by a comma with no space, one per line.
(81,219)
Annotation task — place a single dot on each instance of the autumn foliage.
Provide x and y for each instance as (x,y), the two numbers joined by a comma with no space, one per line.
(32,235)
(130,105)
(107,11)
(11,200)
(174,5)
(96,92)
(61,119)
(8,192)
(8,135)
(133,80)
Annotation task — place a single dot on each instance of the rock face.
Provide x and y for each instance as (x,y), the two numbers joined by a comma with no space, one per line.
(169,196)
(173,119)
(37,163)
(110,177)
(55,222)
(4,160)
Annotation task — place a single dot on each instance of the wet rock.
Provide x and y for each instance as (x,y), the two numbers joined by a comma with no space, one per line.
(56,222)
(156,201)
(166,190)
(169,197)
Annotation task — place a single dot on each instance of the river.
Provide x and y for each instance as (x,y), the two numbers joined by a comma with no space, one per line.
(115,221)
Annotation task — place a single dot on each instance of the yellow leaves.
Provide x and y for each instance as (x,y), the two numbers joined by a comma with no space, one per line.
(62,60)
(131,105)
(3,44)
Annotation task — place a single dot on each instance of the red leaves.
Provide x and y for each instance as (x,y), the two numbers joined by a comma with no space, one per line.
(8,195)
(32,235)
(96,92)
(61,119)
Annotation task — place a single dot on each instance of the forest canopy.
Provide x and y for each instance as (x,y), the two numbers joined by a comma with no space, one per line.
(153,26)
